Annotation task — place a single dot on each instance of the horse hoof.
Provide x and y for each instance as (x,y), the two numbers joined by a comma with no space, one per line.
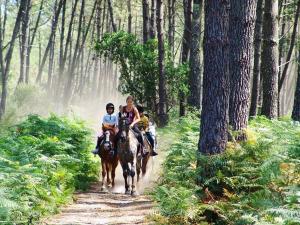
(127,192)
(109,186)
(103,189)
(134,193)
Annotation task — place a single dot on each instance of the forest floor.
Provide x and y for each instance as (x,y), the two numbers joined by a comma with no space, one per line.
(95,207)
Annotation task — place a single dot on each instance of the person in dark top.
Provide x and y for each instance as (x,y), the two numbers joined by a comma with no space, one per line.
(133,117)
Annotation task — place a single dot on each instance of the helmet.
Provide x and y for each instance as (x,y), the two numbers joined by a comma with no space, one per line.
(110,106)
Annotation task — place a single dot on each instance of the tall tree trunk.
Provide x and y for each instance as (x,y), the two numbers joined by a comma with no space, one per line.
(194,98)
(162,92)
(185,48)
(66,50)
(152,20)
(129,26)
(68,88)
(281,40)
(31,42)
(51,54)
(53,31)
(145,21)
(291,48)
(282,45)
(111,13)
(241,33)
(24,41)
(171,21)
(269,59)
(4,20)
(214,117)
(6,68)
(296,106)
(257,50)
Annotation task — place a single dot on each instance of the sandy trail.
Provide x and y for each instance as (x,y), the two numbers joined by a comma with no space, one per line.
(95,207)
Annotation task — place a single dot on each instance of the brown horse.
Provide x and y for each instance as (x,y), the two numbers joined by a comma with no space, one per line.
(143,160)
(109,160)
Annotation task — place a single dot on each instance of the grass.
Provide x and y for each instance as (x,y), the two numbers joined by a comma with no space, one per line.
(254,182)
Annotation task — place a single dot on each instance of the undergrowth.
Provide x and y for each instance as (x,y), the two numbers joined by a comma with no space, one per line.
(42,162)
(254,182)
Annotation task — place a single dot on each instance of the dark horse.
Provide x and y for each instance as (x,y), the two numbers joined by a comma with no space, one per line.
(127,152)
(109,160)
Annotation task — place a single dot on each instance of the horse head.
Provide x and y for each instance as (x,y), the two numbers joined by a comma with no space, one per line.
(107,142)
(124,129)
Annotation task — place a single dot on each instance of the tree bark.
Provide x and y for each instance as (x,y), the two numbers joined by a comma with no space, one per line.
(111,13)
(162,108)
(269,59)
(214,117)
(51,53)
(296,106)
(241,33)
(145,21)
(129,26)
(171,21)
(185,48)
(152,20)
(24,41)
(257,52)
(194,98)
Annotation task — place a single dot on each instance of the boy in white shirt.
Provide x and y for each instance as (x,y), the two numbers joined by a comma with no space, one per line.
(109,120)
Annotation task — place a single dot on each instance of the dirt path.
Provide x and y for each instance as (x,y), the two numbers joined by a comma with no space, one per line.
(93,207)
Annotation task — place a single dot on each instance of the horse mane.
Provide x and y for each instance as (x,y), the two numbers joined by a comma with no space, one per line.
(133,142)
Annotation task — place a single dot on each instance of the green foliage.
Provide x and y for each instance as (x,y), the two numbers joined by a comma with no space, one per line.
(139,67)
(254,182)
(42,162)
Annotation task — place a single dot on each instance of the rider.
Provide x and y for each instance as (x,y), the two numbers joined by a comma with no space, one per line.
(109,121)
(133,117)
(143,124)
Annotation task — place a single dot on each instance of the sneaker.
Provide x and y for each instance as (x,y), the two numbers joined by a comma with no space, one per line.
(95,151)
(154,153)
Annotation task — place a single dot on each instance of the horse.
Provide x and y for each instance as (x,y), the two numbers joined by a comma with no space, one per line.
(143,160)
(127,153)
(109,160)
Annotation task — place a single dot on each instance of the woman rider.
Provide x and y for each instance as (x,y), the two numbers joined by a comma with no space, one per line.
(133,117)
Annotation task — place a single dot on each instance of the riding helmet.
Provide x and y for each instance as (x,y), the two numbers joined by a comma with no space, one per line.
(110,106)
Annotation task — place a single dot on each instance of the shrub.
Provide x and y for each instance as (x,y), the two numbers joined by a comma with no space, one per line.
(42,162)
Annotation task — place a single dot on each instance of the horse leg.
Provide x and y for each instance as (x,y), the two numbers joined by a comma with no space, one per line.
(144,164)
(113,173)
(133,180)
(109,182)
(103,175)
(138,167)
(125,175)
